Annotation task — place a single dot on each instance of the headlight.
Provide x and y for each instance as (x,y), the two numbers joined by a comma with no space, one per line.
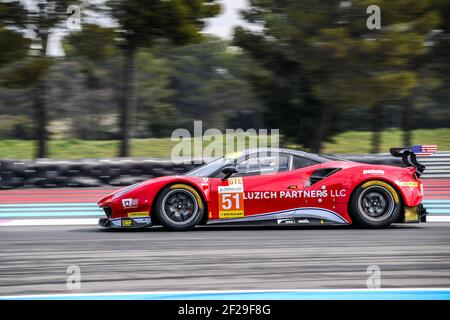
(126,190)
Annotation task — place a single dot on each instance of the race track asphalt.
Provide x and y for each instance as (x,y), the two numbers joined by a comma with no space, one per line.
(34,260)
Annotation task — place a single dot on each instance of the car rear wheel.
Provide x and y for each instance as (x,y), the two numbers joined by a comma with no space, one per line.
(179,207)
(375,204)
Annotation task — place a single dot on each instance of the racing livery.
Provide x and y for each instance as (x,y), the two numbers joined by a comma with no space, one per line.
(274,186)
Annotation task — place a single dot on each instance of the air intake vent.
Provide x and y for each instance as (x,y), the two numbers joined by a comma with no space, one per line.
(108,211)
(320,174)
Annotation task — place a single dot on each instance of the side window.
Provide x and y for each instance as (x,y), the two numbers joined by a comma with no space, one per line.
(299,162)
(263,165)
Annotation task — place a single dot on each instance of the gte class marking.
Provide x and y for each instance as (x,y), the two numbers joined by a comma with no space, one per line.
(259,195)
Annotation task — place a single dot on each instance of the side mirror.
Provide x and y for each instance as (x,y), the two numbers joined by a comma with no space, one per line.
(228,171)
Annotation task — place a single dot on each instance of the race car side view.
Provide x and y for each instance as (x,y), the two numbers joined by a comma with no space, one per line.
(274,186)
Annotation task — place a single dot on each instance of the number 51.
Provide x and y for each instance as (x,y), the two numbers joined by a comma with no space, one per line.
(227,201)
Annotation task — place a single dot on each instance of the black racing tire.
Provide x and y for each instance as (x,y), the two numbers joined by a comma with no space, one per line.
(375,204)
(179,207)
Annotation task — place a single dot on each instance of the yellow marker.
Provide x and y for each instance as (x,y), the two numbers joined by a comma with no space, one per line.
(230,214)
(411,214)
(408,184)
(126,223)
(234,155)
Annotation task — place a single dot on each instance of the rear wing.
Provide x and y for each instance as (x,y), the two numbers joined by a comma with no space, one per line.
(409,155)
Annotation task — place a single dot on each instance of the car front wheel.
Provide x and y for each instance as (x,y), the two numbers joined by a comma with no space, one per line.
(179,207)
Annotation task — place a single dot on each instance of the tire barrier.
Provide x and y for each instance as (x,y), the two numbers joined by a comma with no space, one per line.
(84,173)
(124,171)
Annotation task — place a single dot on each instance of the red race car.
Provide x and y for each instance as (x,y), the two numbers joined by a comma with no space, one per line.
(274,186)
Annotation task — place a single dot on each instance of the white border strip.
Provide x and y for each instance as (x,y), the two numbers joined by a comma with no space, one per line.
(438,218)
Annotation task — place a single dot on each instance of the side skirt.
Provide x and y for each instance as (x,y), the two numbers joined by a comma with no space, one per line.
(307,216)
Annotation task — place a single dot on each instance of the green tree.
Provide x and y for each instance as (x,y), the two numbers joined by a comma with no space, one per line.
(392,60)
(300,45)
(36,20)
(323,58)
(437,68)
(141,24)
(93,51)
(156,115)
(14,46)
(90,47)
(209,81)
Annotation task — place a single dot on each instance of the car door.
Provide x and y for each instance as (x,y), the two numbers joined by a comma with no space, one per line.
(264,188)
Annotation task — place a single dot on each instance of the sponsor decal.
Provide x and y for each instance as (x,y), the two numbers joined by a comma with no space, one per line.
(408,184)
(138,214)
(127,223)
(231,199)
(373,171)
(230,189)
(263,195)
(129,203)
(231,214)
(285,221)
(303,221)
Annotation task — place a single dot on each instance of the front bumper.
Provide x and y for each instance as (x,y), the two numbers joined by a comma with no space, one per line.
(125,223)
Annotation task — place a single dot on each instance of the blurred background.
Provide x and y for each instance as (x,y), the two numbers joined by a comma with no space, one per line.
(109,78)
(85,81)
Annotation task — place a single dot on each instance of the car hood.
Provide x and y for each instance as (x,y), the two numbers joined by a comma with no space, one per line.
(156,182)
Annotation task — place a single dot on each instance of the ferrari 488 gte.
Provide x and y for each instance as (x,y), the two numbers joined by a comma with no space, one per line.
(274,186)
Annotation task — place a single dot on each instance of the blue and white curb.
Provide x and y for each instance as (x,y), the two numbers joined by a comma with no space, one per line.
(332,294)
(437,207)
(48,214)
(50,210)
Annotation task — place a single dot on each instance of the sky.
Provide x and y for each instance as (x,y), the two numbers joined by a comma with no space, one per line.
(221,25)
